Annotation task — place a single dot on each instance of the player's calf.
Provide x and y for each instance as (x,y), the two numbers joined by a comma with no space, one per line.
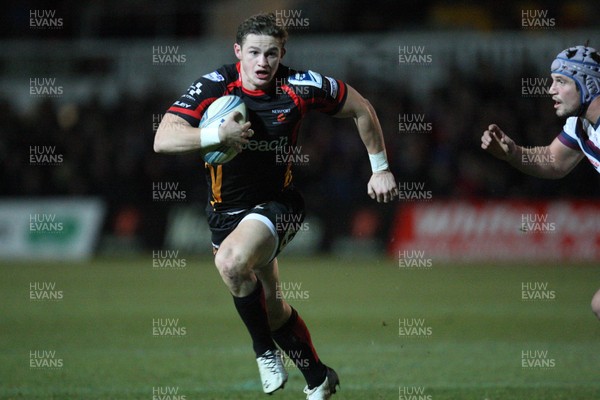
(596,304)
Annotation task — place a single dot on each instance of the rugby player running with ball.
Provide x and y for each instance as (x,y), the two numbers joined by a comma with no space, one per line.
(575,90)
(252,193)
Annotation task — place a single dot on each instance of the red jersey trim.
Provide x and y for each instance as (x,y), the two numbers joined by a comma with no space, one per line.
(181,110)
(299,101)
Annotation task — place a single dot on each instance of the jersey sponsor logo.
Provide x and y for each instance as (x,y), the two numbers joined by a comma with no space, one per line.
(266,145)
(281,115)
(214,76)
(194,90)
(308,78)
(182,104)
(333,87)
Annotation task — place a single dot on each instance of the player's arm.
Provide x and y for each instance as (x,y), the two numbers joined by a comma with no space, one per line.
(176,135)
(551,162)
(382,185)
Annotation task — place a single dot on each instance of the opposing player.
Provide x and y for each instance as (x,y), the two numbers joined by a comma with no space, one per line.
(575,90)
(252,198)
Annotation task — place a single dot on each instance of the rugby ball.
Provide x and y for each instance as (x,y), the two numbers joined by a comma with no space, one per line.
(214,116)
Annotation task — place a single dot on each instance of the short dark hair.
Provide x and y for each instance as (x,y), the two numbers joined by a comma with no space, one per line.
(261,24)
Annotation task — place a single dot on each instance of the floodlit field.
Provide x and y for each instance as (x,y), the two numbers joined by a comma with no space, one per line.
(128,329)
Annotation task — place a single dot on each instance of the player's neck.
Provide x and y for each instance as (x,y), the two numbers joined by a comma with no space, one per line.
(593,112)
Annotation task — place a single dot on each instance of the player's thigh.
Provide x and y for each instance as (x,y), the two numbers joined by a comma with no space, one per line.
(250,244)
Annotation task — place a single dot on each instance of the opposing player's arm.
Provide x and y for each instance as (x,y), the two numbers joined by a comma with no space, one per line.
(176,135)
(551,162)
(382,185)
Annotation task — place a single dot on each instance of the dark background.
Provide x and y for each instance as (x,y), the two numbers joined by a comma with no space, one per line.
(107,144)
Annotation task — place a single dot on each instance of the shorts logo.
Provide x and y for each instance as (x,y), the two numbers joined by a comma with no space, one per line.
(289,235)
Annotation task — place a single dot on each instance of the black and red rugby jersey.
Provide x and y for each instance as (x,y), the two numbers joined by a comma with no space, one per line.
(255,176)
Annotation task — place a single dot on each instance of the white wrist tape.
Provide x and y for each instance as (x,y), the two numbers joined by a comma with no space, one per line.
(209,136)
(378,162)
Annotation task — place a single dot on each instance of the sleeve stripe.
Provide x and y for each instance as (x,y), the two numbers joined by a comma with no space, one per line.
(568,141)
(181,110)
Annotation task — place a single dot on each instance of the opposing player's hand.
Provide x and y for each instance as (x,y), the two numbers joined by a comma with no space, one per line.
(382,187)
(234,134)
(497,143)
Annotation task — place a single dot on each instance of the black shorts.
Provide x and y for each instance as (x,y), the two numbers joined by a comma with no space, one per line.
(283,216)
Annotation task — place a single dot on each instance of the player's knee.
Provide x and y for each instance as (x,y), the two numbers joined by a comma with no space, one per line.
(232,264)
(596,304)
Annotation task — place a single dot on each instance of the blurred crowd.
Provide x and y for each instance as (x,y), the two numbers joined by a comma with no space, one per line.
(107,151)
(95,148)
(171,18)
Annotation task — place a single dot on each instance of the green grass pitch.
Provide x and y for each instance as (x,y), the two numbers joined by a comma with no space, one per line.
(476,330)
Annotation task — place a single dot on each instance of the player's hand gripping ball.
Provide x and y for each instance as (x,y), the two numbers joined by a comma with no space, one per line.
(214,116)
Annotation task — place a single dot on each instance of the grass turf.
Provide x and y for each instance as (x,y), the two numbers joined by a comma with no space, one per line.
(476,328)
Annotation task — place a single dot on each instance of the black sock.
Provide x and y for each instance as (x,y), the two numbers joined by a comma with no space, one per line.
(253,311)
(294,339)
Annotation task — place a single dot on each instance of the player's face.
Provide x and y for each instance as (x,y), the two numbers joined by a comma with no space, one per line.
(259,56)
(565,95)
